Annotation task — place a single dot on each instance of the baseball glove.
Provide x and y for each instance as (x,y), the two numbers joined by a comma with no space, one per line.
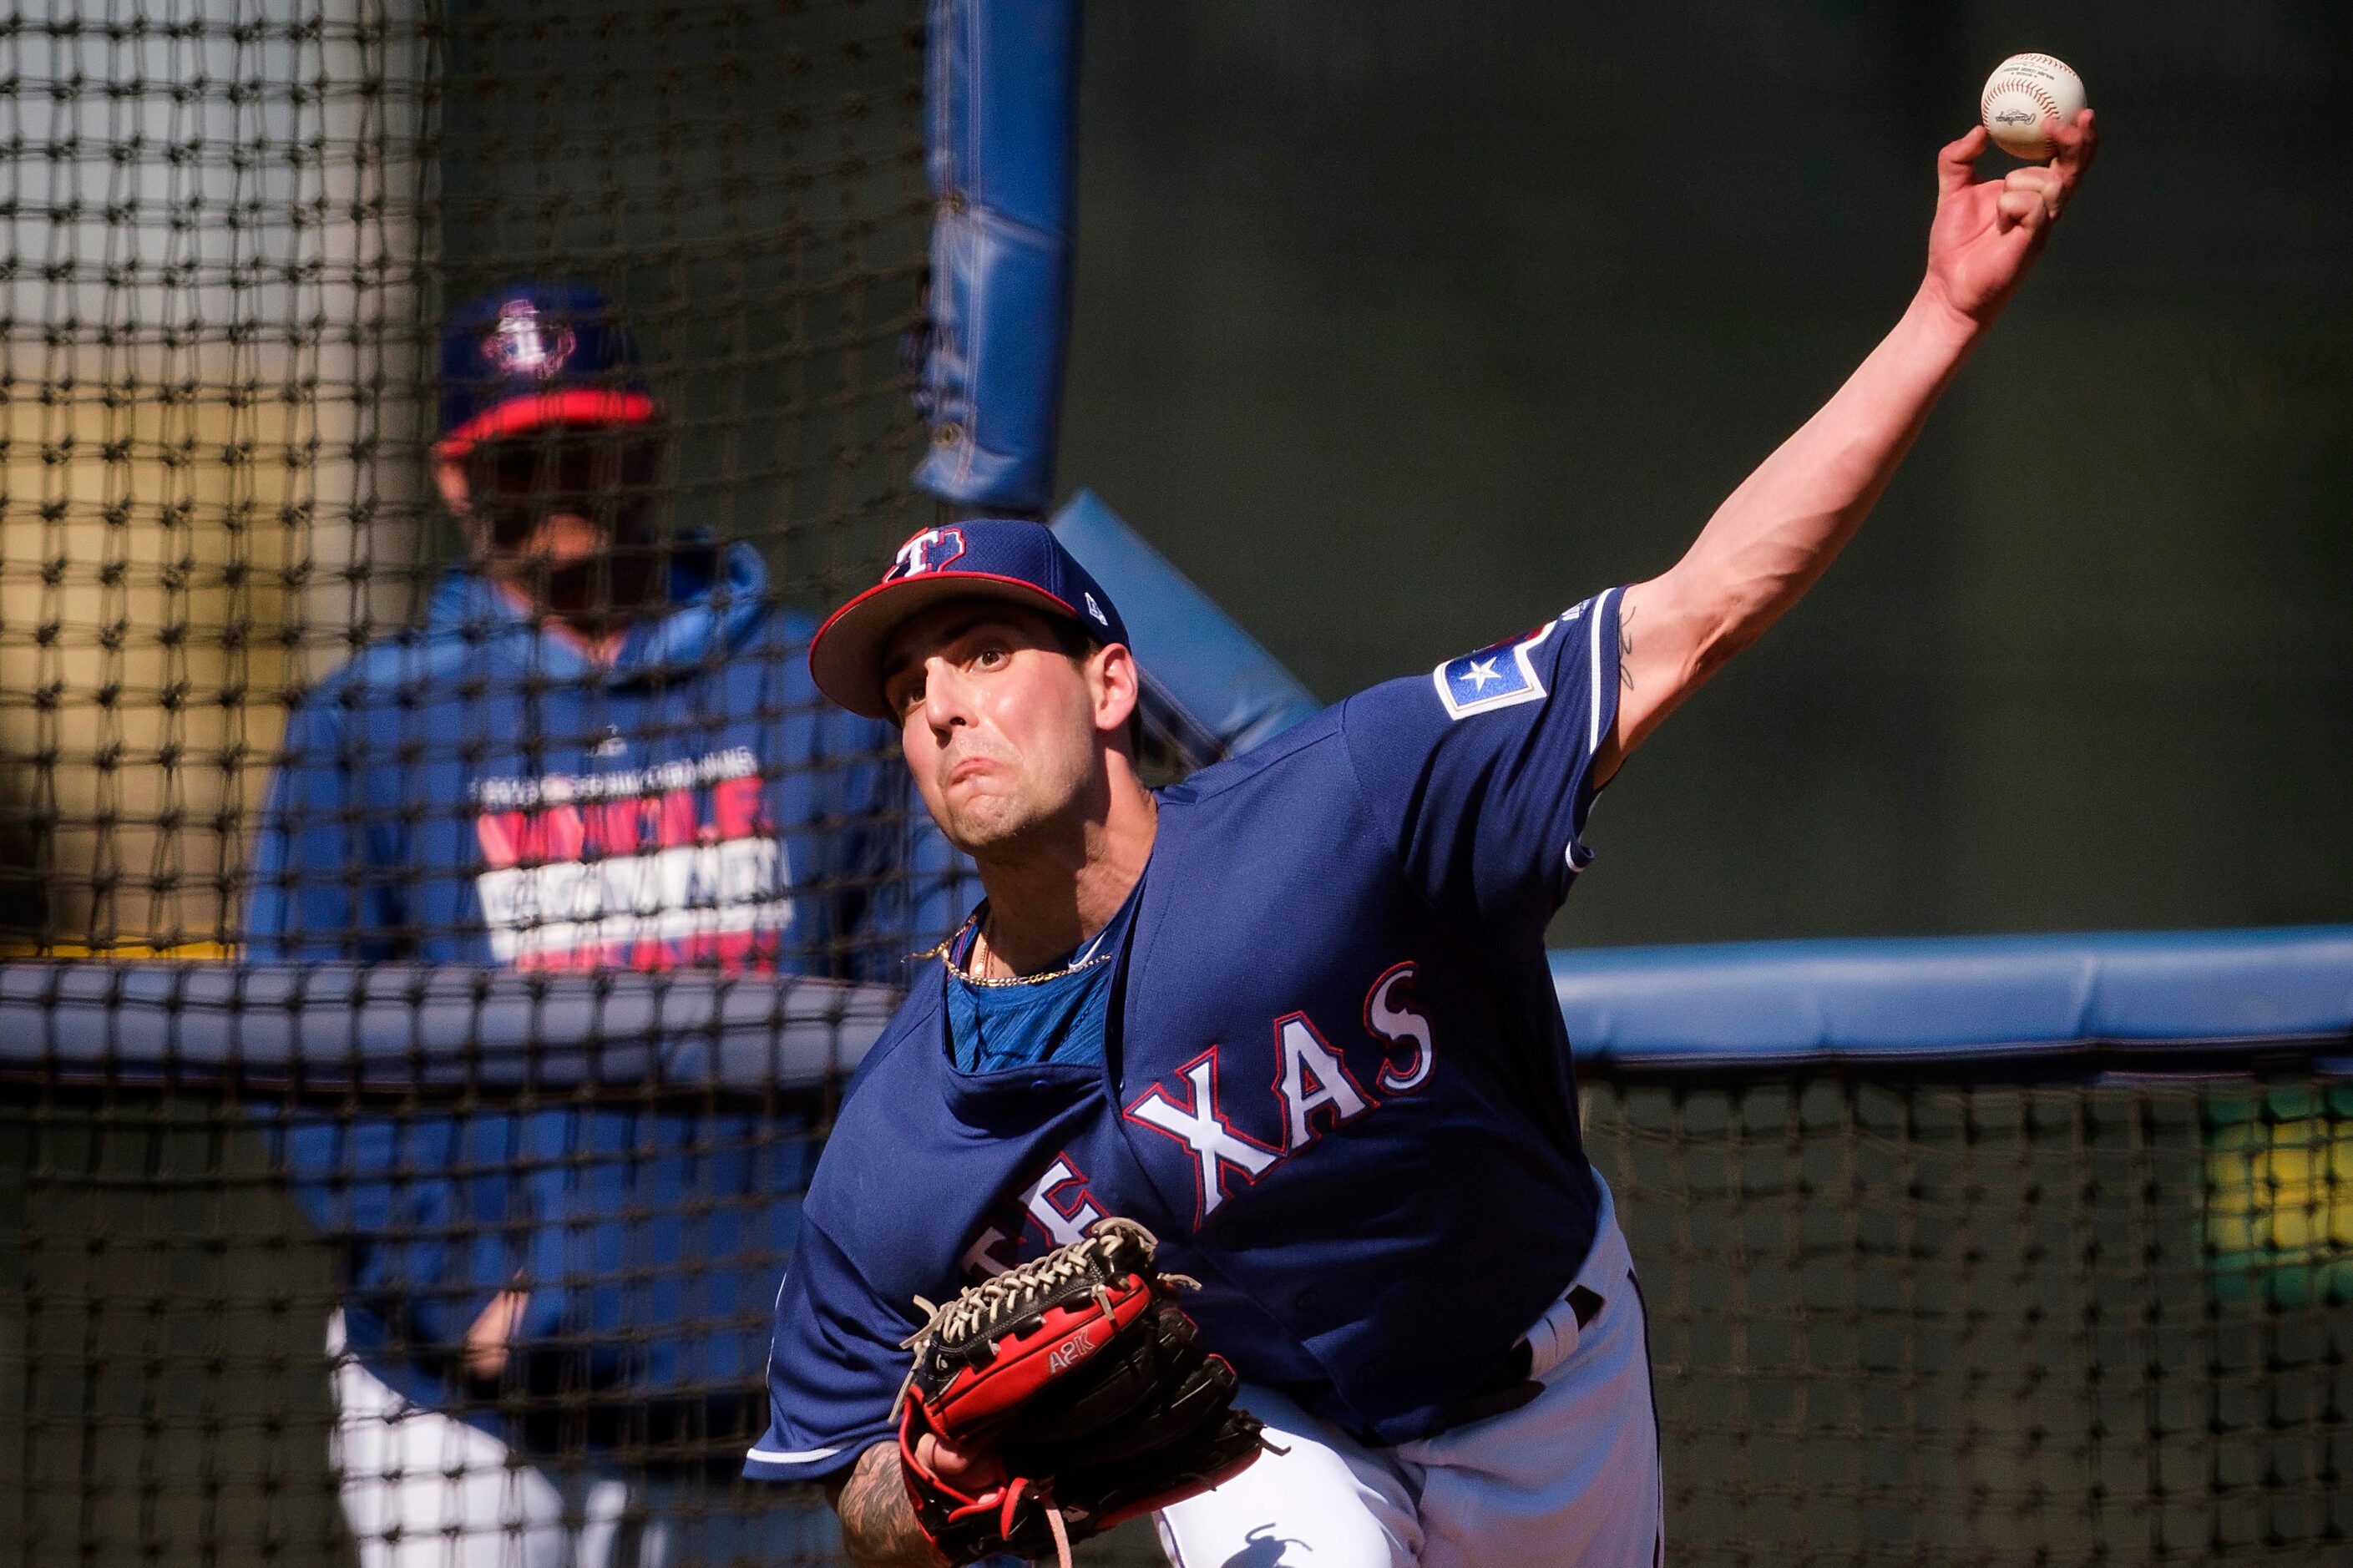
(1082,1390)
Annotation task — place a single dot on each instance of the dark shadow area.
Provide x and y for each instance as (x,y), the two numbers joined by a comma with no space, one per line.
(1400,332)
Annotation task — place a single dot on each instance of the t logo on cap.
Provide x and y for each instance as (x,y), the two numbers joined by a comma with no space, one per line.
(1012,559)
(927,551)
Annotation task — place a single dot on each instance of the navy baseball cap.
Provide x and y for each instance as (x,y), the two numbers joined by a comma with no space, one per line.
(534,355)
(990,558)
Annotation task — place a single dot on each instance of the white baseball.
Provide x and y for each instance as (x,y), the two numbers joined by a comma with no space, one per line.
(2023,91)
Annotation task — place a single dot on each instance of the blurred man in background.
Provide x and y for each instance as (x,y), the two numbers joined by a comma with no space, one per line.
(601,751)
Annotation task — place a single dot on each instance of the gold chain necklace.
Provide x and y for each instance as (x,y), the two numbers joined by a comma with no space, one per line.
(945,952)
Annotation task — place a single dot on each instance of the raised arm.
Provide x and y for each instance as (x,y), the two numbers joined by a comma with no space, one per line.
(1776,534)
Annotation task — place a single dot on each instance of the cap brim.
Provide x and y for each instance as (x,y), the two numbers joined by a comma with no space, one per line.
(540,410)
(846,654)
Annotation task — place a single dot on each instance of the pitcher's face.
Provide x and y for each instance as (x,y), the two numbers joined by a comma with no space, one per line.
(998,724)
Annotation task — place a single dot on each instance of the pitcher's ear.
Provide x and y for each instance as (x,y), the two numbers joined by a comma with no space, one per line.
(1121,682)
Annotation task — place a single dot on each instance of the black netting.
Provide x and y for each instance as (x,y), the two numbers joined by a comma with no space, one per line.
(1890,1323)
(236,233)
(1899,1323)
(276,275)
(275,678)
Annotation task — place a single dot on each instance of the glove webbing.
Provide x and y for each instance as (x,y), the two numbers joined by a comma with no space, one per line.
(1002,1297)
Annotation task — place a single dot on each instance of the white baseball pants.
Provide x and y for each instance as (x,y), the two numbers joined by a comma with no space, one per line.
(1570,1478)
(424,1490)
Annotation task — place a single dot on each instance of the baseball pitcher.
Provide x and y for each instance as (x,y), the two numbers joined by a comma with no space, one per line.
(1275,1051)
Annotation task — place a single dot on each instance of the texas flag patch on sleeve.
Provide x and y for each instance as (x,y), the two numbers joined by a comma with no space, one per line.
(1499,675)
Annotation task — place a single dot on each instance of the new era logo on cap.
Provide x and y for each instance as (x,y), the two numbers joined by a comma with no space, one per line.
(989,558)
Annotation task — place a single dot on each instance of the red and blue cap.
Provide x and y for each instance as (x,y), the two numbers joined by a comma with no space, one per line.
(532,356)
(988,558)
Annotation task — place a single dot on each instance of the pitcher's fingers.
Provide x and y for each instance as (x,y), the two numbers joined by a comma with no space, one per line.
(2044,184)
(1956,161)
(2025,207)
(2072,147)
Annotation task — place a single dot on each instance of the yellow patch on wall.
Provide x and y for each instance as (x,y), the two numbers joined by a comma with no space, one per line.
(172,545)
(2278,1195)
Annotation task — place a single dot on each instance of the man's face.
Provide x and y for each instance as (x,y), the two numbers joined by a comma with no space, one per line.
(999,726)
(564,515)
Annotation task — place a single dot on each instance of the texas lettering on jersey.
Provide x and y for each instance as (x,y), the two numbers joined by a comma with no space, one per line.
(660,868)
(1314,1090)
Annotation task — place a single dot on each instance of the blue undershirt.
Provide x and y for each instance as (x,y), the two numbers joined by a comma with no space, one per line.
(1061,1019)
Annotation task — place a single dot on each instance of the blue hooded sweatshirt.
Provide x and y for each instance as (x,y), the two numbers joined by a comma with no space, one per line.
(478,792)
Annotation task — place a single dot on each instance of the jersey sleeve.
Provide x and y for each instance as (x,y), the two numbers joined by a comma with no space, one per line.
(834,1367)
(1482,770)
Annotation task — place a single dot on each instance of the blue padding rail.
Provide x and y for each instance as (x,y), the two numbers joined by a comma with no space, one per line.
(1988,1007)
(395,1028)
(1978,1007)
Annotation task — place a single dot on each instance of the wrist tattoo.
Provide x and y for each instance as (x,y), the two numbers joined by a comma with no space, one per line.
(878,1522)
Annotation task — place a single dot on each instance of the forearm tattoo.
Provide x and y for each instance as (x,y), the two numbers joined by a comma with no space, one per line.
(878,1522)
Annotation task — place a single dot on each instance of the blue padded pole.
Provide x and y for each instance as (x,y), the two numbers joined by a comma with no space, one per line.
(1000,122)
(2147,1000)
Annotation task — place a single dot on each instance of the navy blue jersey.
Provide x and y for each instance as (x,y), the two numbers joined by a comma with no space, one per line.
(1335,1081)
